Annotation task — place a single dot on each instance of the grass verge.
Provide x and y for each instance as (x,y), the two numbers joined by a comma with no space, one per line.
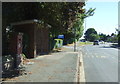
(84,43)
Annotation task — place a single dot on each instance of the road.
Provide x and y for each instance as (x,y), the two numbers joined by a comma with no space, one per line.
(100,63)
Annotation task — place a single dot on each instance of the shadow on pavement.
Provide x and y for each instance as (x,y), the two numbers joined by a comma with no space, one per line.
(11,74)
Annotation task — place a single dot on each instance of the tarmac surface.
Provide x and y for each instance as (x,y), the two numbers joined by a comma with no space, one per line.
(100,63)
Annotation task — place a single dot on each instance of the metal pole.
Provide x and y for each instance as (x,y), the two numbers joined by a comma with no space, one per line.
(75,40)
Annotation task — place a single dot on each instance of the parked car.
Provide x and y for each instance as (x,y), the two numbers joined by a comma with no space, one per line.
(96,43)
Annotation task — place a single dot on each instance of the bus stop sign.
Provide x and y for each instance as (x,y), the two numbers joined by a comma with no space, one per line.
(60,36)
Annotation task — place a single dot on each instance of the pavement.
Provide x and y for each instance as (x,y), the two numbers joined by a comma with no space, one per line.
(81,73)
(60,66)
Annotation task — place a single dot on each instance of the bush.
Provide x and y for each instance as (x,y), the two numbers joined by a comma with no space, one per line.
(23,55)
(70,41)
(7,58)
(7,62)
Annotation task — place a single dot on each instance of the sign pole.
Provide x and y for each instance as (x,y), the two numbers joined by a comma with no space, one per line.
(75,40)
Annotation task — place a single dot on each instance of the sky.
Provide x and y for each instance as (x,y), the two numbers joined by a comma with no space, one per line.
(105,19)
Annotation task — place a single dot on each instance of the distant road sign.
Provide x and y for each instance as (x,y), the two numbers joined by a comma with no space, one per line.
(61,36)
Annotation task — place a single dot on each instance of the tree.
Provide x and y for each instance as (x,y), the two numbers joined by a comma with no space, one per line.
(112,34)
(61,16)
(114,38)
(103,37)
(78,26)
(91,34)
(88,13)
(118,36)
(94,37)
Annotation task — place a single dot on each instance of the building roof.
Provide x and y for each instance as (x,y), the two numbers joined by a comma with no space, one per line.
(28,22)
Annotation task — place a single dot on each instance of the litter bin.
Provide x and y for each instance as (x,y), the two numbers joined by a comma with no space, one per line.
(59,43)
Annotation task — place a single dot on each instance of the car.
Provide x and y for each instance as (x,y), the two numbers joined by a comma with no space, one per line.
(96,43)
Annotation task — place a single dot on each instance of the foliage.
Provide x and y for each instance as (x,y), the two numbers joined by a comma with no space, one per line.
(113,39)
(103,37)
(23,55)
(77,29)
(59,15)
(7,58)
(91,34)
(88,13)
(109,38)
(119,39)
(93,37)
(78,26)
(63,17)
(118,36)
